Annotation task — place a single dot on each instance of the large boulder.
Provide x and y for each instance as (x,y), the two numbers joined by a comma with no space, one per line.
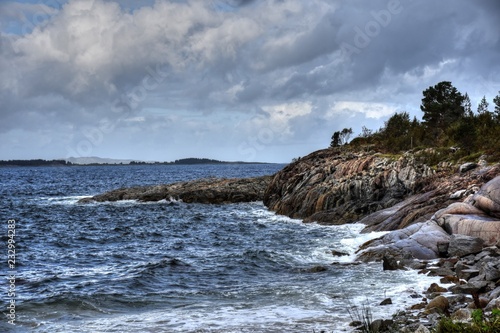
(478,216)
(461,245)
(487,198)
(419,241)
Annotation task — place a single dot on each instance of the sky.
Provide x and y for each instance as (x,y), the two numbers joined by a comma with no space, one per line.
(235,80)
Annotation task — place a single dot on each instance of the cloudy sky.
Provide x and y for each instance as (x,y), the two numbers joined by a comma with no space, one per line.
(263,80)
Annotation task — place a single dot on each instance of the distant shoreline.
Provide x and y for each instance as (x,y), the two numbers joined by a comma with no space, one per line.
(64,163)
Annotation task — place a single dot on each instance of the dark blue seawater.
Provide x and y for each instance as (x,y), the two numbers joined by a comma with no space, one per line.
(176,267)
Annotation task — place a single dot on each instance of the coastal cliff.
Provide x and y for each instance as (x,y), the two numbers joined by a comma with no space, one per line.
(388,193)
(331,187)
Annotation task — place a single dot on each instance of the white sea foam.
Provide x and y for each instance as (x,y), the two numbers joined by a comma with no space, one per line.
(64,200)
(302,302)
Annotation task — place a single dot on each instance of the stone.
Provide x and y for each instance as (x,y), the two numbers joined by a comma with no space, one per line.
(493,304)
(462,245)
(462,315)
(443,248)
(467,274)
(490,270)
(495,293)
(418,306)
(492,251)
(380,325)
(484,227)
(435,288)
(467,167)
(487,198)
(449,279)
(458,194)
(386,301)
(422,329)
(469,287)
(419,240)
(336,253)
(439,304)
(440,271)
(389,263)
(316,269)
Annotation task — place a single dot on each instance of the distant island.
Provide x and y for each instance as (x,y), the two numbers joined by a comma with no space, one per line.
(96,161)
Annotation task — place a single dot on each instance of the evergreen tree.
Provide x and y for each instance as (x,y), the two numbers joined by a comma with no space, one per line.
(396,132)
(335,139)
(442,105)
(483,106)
(467,105)
(496,101)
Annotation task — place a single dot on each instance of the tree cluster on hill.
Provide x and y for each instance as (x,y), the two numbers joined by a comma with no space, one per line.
(38,162)
(448,121)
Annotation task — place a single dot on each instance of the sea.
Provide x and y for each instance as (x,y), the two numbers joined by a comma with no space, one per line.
(171,266)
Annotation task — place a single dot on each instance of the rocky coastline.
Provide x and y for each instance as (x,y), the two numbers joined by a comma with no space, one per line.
(206,191)
(442,220)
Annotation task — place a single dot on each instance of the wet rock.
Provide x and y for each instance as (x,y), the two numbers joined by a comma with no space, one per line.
(316,269)
(440,271)
(418,306)
(461,245)
(419,240)
(208,191)
(386,301)
(439,305)
(435,288)
(336,253)
(380,325)
(389,263)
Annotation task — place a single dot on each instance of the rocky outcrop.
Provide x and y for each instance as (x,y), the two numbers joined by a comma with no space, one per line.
(331,187)
(419,240)
(441,191)
(478,216)
(459,229)
(208,191)
(472,282)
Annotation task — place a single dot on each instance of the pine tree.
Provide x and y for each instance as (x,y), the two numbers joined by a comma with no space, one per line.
(442,105)
(467,105)
(496,101)
(483,106)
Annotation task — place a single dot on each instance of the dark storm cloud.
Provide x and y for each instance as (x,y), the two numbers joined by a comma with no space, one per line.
(204,64)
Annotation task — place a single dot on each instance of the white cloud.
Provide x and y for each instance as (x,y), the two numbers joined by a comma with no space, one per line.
(370,110)
(279,116)
(268,70)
